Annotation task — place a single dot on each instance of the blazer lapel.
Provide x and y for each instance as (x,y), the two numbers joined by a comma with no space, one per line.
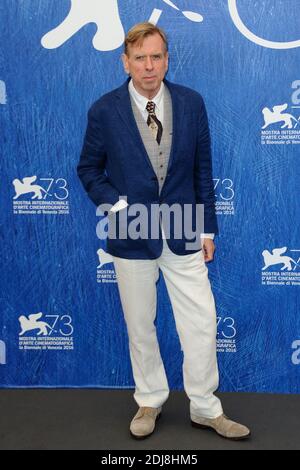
(124,108)
(178,105)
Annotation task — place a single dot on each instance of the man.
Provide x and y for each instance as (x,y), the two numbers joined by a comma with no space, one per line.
(148,142)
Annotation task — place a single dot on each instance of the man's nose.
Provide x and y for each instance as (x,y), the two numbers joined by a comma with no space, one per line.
(149,63)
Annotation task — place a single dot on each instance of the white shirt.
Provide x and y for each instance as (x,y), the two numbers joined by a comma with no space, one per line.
(141,102)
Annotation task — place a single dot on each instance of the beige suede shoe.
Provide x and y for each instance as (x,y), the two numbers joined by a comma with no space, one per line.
(143,423)
(223,426)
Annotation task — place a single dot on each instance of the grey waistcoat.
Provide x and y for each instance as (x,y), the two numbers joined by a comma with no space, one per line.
(158,154)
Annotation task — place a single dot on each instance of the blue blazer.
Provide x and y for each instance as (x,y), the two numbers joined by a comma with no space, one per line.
(114,163)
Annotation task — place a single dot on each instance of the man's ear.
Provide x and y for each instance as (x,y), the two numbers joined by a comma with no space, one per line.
(125,62)
(167,61)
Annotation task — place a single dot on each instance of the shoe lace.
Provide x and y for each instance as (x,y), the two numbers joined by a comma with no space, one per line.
(146,410)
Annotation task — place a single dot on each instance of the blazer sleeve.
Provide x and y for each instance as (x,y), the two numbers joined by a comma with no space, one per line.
(203,180)
(91,167)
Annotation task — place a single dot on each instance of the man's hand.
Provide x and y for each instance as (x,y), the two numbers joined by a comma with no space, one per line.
(208,248)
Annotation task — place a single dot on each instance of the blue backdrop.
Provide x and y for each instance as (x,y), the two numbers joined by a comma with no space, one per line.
(61,321)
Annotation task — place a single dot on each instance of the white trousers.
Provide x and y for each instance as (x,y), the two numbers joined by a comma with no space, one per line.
(193,305)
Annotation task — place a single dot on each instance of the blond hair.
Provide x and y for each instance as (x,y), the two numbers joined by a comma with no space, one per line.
(140,31)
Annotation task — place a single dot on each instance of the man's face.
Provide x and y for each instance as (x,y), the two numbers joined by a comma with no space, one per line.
(147,64)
